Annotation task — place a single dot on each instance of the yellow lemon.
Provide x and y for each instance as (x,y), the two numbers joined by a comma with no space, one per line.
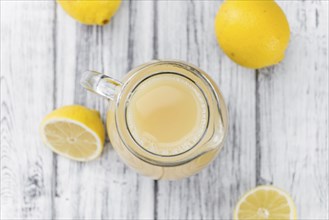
(265,202)
(91,11)
(74,131)
(254,34)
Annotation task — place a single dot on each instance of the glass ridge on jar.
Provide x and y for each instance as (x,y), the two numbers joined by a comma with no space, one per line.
(159,162)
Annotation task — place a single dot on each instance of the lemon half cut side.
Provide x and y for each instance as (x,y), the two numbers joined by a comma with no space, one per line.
(74,132)
(265,202)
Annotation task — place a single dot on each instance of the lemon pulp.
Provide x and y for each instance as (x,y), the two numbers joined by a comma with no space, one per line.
(75,132)
(265,202)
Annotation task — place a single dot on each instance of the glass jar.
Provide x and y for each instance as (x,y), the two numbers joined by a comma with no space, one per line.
(151,157)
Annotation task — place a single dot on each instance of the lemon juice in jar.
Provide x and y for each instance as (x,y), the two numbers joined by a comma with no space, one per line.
(167,119)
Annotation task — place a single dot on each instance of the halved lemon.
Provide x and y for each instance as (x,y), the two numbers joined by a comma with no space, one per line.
(265,202)
(74,131)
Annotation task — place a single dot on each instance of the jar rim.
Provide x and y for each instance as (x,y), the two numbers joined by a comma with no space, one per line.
(125,94)
(127,102)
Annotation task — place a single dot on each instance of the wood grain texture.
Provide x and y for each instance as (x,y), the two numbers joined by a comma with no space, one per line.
(186,32)
(278,130)
(293,112)
(27,72)
(104,188)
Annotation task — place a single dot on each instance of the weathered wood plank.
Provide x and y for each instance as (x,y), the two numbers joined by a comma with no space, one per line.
(127,44)
(27,70)
(104,188)
(186,32)
(43,53)
(293,106)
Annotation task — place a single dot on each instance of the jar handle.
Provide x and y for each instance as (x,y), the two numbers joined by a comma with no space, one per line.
(100,84)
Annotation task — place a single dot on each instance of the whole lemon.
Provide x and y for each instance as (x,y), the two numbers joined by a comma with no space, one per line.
(90,11)
(254,34)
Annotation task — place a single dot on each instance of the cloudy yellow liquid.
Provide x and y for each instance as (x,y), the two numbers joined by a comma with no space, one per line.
(167,113)
(167,116)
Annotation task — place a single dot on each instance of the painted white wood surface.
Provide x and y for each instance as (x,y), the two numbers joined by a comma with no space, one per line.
(292,105)
(278,116)
(186,32)
(27,76)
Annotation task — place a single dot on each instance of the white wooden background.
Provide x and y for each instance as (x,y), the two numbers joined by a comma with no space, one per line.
(278,116)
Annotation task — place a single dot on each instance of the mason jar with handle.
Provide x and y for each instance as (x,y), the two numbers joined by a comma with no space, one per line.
(166,119)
